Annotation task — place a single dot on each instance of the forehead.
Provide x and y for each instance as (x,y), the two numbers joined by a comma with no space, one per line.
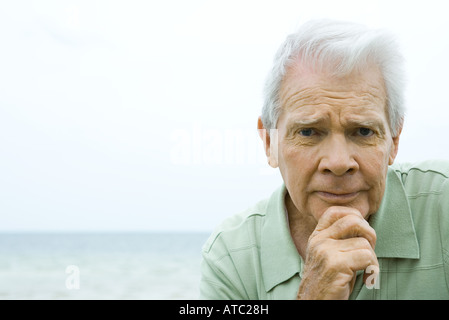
(361,92)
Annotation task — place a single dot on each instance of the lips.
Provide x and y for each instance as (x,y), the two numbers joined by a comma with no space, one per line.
(339,198)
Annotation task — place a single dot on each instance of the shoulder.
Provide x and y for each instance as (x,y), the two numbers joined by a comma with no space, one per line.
(243,231)
(425,184)
(427,187)
(237,231)
(436,166)
(424,176)
(231,256)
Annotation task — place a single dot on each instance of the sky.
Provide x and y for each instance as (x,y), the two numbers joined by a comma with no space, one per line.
(141,115)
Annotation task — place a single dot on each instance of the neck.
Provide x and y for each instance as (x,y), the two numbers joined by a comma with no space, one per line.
(301,226)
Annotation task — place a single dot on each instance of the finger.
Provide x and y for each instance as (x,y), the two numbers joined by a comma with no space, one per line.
(333,214)
(360,259)
(350,226)
(352,244)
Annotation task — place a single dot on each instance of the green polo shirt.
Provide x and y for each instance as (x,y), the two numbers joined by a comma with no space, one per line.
(252,256)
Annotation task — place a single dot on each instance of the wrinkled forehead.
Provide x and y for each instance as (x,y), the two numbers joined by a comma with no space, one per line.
(308,95)
(303,84)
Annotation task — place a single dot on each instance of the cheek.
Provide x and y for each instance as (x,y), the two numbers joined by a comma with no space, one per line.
(296,165)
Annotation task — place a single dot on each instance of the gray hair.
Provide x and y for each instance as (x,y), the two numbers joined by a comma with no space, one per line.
(340,47)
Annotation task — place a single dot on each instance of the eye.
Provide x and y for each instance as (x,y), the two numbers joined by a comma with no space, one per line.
(307,132)
(365,132)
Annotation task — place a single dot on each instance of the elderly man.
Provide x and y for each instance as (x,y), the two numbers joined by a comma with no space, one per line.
(346,223)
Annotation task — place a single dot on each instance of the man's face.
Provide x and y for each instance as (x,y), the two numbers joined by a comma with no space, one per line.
(335,142)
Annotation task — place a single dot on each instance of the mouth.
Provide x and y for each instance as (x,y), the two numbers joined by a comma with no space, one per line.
(337,198)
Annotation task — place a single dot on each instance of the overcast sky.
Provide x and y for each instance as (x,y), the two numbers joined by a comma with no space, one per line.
(141,115)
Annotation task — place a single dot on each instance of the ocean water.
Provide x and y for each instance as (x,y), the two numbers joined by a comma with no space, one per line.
(100,265)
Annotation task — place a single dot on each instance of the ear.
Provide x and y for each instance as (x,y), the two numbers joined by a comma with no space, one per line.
(394,147)
(270,143)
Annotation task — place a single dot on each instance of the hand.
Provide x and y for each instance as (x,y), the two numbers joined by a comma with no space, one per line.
(342,243)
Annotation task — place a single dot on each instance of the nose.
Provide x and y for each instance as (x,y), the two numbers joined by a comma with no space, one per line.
(337,157)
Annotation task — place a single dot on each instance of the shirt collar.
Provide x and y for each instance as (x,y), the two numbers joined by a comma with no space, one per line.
(396,236)
(279,257)
(393,223)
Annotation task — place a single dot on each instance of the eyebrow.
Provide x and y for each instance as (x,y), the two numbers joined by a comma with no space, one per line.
(293,125)
(305,122)
(369,123)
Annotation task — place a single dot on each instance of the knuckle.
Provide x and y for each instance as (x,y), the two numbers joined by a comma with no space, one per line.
(374,236)
(356,225)
(353,220)
(364,243)
(367,253)
(333,213)
(348,224)
(369,256)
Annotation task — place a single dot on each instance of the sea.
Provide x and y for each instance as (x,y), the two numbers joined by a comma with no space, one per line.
(100,266)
